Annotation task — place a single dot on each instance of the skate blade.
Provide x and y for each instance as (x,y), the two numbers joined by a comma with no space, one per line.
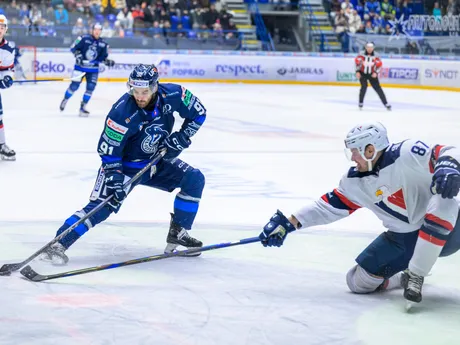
(9,159)
(55,262)
(83,115)
(409,306)
(171,248)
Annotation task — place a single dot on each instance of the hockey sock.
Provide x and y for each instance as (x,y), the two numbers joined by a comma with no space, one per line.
(185,209)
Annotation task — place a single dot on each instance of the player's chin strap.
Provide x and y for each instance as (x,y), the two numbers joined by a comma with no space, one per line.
(6,269)
(369,161)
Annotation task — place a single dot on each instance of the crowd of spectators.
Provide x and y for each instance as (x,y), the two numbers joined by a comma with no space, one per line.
(374,16)
(123,18)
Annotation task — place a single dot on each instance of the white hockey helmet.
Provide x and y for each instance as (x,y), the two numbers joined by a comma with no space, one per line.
(3,20)
(359,137)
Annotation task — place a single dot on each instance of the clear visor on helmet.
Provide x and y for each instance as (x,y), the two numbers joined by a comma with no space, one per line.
(357,145)
(141,84)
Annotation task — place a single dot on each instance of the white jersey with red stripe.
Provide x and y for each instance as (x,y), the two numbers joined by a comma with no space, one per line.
(6,58)
(397,191)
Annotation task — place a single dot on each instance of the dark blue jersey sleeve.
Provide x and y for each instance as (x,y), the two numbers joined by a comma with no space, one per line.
(115,136)
(192,110)
(104,53)
(77,44)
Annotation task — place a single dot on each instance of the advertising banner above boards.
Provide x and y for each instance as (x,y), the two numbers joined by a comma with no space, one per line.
(302,68)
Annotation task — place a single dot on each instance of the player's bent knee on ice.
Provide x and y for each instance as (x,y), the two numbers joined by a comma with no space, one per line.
(359,281)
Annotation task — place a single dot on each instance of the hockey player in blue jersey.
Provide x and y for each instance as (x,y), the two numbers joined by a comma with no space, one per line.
(139,124)
(90,51)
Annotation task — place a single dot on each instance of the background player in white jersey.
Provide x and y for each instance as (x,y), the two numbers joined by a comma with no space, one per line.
(6,81)
(410,187)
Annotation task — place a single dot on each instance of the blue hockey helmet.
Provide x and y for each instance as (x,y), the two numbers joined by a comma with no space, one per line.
(144,76)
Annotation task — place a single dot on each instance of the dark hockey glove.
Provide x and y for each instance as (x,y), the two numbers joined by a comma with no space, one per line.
(276,230)
(175,144)
(114,183)
(109,63)
(6,82)
(446,178)
(78,58)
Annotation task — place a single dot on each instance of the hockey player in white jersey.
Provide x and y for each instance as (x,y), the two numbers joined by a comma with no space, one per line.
(410,186)
(6,81)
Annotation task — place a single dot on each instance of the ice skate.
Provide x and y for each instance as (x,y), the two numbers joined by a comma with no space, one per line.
(178,236)
(388,107)
(63,104)
(55,254)
(83,111)
(412,288)
(6,153)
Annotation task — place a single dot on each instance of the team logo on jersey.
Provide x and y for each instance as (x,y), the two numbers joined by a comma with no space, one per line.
(91,53)
(155,134)
(167,108)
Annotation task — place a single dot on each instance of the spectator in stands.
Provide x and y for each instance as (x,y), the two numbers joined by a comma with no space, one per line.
(387,10)
(231,30)
(137,12)
(411,48)
(49,14)
(402,9)
(368,28)
(61,16)
(35,17)
(354,22)
(437,12)
(379,24)
(118,29)
(156,30)
(451,8)
(335,8)
(79,28)
(372,8)
(341,29)
(149,16)
(95,7)
(195,10)
(212,16)
(167,32)
(181,8)
(126,18)
(107,31)
(225,17)
(346,4)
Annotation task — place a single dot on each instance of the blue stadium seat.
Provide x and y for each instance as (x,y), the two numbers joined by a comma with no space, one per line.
(174,22)
(186,22)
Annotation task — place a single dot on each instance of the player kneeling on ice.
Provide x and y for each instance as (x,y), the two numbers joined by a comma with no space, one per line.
(410,187)
(137,127)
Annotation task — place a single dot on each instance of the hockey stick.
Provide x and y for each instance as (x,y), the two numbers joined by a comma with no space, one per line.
(6,269)
(76,78)
(30,274)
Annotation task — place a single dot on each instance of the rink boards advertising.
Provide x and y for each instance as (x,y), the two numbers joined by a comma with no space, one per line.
(258,67)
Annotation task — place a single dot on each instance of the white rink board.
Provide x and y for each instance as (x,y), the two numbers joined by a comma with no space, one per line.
(245,67)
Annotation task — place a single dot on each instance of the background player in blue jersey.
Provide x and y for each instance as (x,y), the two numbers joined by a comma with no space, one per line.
(89,51)
(138,126)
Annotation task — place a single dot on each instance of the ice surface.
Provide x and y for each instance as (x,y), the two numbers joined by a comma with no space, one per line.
(261,148)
